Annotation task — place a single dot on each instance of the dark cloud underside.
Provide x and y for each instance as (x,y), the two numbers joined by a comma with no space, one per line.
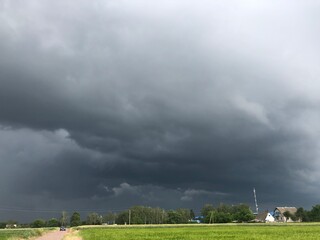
(173,103)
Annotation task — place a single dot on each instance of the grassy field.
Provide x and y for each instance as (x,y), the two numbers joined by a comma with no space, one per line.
(202,232)
(19,233)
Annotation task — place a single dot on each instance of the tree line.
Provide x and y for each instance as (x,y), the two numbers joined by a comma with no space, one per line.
(306,216)
(226,213)
(149,215)
(222,213)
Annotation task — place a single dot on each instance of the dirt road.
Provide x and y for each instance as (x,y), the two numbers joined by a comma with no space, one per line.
(56,235)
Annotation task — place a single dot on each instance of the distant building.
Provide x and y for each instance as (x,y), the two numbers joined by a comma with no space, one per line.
(197,219)
(264,217)
(279,214)
(270,217)
(13,225)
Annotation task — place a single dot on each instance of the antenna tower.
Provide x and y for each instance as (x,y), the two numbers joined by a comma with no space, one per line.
(255,200)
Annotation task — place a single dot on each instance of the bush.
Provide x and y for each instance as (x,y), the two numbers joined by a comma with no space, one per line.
(39,223)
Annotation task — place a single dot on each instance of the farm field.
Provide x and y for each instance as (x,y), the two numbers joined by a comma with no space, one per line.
(203,232)
(19,233)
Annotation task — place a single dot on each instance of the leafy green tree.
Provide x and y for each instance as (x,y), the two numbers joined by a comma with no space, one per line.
(314,214)
(123,218)
(226,213)
(140,215)
(178,216)
(287,215)
(75,219)
(184,215)
(3,225)
(302,215)
(224,208)
(293,217)
(173,217)
(242,213)
(53,222)
(211,217)
(206,212)
(110,218)
(222,217)
(156,215)
(192,215)
(38,223)
(94,219)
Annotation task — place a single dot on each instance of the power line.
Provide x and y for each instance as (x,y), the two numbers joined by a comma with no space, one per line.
(14,209)
(32,210)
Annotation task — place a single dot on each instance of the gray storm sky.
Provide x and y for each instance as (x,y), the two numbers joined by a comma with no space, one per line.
(109,104)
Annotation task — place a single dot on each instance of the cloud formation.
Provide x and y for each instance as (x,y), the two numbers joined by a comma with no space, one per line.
(168,103)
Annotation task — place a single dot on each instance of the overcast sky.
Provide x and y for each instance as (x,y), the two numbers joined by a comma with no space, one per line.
(172,103)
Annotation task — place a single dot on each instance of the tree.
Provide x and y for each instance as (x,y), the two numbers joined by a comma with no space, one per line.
(75,219)
(140,215)
(110,218)
(192,215)
(3,225)
(64,218)
(173,217)
(315,214)
(211,216)
(242,213)
(206,212)
(221,217)
(184,215)
(178,216)
(39,223)
(302,215)
(94,219)
(53,222)
(224,208)
(287,215)
(123,218)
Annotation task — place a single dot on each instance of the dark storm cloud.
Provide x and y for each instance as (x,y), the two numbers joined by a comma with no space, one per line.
(170,103)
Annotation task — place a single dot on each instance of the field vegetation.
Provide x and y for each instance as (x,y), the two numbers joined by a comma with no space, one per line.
(12,234)
(204,232)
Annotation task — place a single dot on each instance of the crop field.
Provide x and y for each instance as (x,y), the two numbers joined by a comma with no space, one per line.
(203,232)
(19,233)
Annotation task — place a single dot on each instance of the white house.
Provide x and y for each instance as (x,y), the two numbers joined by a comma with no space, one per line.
(269,218)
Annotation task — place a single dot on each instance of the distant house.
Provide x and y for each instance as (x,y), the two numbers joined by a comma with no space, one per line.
(264,217)
(279,214)
(197,219)
(13,225)
(270,217)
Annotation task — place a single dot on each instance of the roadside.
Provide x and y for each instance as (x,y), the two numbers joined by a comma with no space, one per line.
(72,235)
(53,235)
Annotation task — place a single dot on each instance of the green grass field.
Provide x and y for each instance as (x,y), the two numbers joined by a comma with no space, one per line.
(202,232)
(19,233)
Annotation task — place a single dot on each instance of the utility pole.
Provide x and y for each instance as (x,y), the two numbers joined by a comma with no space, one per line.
(255,200)
(129,216)
(162,217)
